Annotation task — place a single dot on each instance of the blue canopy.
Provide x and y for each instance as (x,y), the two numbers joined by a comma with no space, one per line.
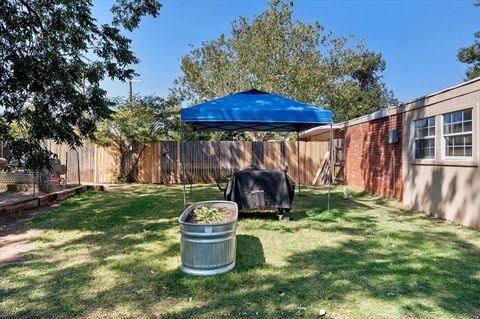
(255,110)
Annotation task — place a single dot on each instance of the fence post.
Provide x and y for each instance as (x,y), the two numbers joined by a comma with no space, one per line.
(66,165)
(34,178)
(78,167)
(95,162)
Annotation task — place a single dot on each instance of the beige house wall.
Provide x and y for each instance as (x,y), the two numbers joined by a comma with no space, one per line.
(448,189)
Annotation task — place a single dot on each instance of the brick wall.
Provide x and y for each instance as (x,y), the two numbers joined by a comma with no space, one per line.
(370,162)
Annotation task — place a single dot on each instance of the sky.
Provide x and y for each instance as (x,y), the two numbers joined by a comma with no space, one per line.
(418,40)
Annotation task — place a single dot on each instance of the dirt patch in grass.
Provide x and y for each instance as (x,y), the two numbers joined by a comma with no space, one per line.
(14,246)
(14,238)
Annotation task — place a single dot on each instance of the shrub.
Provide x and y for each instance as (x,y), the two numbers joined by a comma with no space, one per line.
(120,178)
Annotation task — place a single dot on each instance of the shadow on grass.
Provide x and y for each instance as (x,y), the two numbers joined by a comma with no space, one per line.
(265,215)
(310,213)
(402,268)
(357,266)
(250,253)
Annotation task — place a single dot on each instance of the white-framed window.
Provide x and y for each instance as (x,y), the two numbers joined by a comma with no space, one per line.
(424,135)
(458,135)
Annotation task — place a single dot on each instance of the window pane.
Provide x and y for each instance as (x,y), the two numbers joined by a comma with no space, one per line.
(420,123)
(458,140)
(449,141)
(447,118)
(422,132)
(467,126)
(457,116)
(449,151)
(458,151)
(458,145)
(468,139)
(468,151)
(425,148)
(467,115)
(424,127)
(457,128)
(453,128)
(457,122)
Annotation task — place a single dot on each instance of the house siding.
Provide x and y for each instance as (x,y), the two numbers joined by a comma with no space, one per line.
(444,188)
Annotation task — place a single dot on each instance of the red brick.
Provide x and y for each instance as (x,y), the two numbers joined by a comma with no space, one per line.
(369,157)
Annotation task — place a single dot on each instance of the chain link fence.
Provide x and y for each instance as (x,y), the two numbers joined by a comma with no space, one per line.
(19,183)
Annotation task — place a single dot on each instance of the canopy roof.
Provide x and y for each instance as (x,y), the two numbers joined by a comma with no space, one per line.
(255,110)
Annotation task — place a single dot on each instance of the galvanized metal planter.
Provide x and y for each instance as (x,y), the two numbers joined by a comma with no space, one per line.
(208,249)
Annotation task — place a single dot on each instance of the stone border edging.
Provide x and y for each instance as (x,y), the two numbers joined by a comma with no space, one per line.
(45,200)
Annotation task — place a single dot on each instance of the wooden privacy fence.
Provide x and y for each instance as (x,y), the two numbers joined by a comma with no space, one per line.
(205,162)
(94,164)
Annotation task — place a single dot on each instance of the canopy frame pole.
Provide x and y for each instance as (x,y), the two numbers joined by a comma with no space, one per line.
(182,158)
(191,162)
(330,148)
(298,161)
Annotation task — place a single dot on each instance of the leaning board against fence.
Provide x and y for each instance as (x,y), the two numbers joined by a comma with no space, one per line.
(205,162)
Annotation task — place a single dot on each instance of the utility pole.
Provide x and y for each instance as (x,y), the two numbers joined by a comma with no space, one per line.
(130,89)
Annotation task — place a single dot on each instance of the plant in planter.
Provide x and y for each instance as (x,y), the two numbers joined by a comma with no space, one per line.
(208,238)
(210,215)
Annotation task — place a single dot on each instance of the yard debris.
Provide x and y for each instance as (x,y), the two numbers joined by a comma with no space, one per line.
(322,312)
(301,311)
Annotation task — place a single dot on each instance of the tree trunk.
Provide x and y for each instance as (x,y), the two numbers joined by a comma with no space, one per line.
(130,174)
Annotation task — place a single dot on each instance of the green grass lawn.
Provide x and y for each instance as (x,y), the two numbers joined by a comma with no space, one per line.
(116,254)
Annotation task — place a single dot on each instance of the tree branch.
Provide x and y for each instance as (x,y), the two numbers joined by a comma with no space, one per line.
(31,10)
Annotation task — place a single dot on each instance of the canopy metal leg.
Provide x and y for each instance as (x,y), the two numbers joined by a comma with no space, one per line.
(183,165)
(330,144)
(298,162)
(192,149)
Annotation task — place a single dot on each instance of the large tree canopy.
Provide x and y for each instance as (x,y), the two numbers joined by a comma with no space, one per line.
(54,56)
(276,53)
(136,124)
(471,55)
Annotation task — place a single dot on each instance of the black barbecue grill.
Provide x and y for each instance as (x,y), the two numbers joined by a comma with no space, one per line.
(261,189)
